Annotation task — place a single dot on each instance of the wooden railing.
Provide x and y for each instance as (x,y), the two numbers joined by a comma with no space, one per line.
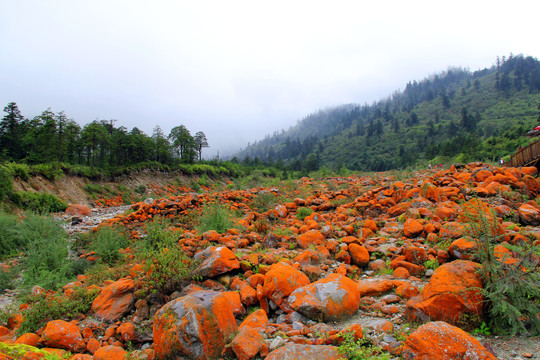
(528,155)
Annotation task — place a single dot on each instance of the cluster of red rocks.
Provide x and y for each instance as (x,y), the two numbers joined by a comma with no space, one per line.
(356,265)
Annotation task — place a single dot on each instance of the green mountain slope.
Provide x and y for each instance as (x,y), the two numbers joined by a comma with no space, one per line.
(456,115)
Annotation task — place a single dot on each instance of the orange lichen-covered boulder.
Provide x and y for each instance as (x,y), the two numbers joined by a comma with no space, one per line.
(374,287)
(110,352)
(359,254)
(248,343)
(114,301)
(463,249)
(281,280)
(331,298)
(62,335)
(293,351)
(216,261)
(441,341)
(195,326)
(415,255)
(453,290)
(412,228)
(529,215)
(28,339)
(446,213)
(312,236)
(257,320)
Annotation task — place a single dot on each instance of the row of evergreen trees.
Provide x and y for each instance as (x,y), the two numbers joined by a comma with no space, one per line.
(53,137)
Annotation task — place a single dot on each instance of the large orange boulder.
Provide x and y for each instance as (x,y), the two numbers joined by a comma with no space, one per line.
(248,343)
(415,255)
(463,249)
(312,236)
(195,326)
(110,352)
(331,298)
(62,335)
(441,341)
(412,228)
(359,254)
(114,301)
(281,280)
(453,291)
(293,351)
(257,320)
(529,215)
(216,261)
(374,287)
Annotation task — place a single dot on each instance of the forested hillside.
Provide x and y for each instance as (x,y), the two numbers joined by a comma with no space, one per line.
(456,115)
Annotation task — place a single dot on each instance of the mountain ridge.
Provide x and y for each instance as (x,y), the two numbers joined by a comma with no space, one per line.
(455,115)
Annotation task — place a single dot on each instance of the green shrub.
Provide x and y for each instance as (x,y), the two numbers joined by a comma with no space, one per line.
(264,201)
(215,217)
(59,306)
(21,171)
(303,212)
(49,171)
(7,277)
(361,349)
(141,189)
(10,241)
(168,267)
(511,290)
(431,264)
(106,242)
(38,202)
(46,260)
(92,189)
(6,182)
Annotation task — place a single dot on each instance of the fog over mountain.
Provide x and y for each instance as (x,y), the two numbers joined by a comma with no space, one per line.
(238,70)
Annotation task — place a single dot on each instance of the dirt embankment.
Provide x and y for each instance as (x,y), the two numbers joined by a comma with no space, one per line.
(71,188)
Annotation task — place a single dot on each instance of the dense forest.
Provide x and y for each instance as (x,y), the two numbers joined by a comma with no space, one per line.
(456,115)
(55,138)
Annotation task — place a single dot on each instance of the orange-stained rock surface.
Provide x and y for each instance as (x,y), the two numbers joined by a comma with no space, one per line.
(248,343)
(216,261)
(281,280)
(197,326)
(293,351)
(442,341)
(110,352)
(62,335)
(114,301)
(452,291)
(331,298)
(363,262)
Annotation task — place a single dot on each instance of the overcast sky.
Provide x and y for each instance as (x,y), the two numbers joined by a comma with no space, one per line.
(238,70)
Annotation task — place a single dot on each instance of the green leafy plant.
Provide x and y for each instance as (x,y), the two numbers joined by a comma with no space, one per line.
(44,245)
(431,264)
(303,212)
(511,291)
(59,306)
(361,349)
(215,217)
(483,329)
(167,266)
(106,242)
(38,202)
(264,201)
